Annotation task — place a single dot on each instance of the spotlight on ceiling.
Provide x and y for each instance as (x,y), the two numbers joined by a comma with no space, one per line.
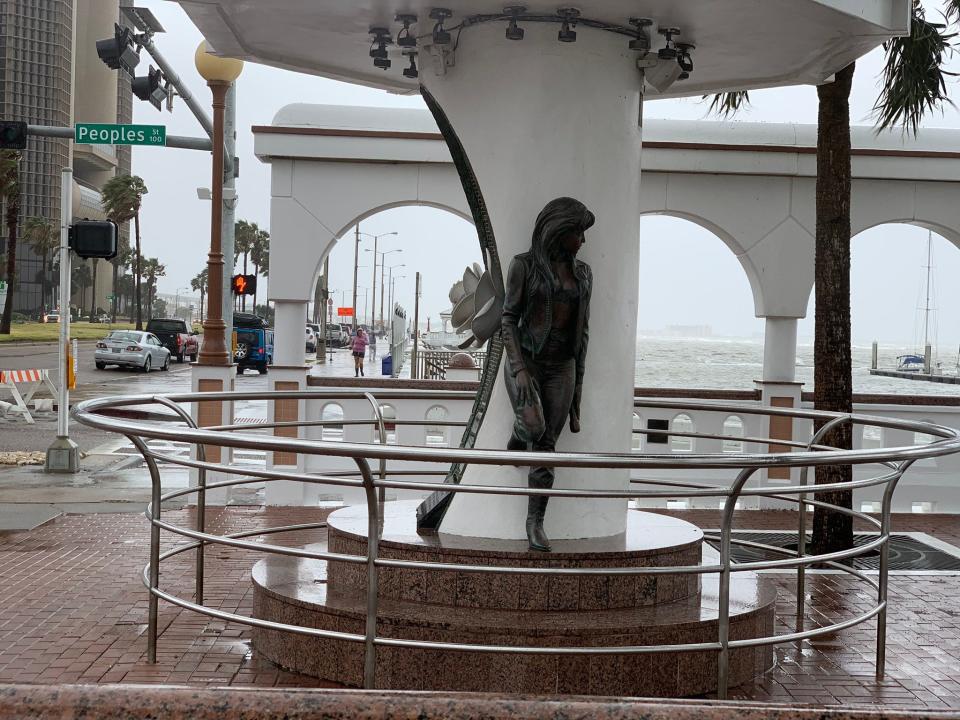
(440,35)
(411,72)
(685,59)
(569,15)
(514,11)
(669,51)
(378,47)
(404,38)
(641,43)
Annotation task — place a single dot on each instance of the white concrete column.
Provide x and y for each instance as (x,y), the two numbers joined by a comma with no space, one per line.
(288,373)
(567,125)
(205,378)
(287,379)
(288,339)
(780,350)
(780,389)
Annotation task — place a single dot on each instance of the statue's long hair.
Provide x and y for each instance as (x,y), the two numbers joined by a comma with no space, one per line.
(557,218)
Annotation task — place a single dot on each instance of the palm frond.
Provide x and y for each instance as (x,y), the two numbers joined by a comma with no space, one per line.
(728,104)
(913,81)
(951,10)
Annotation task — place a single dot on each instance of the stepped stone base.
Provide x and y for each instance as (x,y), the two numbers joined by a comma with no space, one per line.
(501,609)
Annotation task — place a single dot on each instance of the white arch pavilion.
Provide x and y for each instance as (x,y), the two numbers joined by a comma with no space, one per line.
(750,184)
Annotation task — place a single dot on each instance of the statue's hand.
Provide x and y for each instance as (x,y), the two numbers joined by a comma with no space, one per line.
(525,389)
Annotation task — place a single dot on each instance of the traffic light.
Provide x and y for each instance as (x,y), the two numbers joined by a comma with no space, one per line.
(243,284)
(13,135)
(120,51)
(150,87)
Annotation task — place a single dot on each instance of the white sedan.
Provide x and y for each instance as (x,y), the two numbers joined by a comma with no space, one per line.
(132,348)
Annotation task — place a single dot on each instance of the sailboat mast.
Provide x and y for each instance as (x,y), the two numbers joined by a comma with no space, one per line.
(926,307)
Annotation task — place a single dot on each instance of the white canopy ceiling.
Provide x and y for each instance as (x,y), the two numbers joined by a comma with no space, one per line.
(740,44)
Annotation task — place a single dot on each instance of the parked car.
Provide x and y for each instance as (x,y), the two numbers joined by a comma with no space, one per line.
(52,317)
(101,318)
(178,337)
(132,348)
(248,320)
(254,349)
(336,337)
(311,339)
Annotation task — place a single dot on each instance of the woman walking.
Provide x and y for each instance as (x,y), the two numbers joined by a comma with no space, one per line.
(359,348)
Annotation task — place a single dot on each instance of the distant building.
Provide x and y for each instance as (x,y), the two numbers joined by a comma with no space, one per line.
(50,75)
(688,331)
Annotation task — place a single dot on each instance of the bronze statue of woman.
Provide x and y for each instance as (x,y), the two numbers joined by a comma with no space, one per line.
(546,310)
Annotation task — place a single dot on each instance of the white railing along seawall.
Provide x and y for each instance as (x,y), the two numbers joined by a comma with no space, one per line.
(929,486)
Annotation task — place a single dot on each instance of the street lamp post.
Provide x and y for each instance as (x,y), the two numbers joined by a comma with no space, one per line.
(176,302)
(383,260)
(376,238)
(219,74)
(399,277)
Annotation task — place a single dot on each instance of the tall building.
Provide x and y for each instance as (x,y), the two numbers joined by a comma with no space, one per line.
(50,75)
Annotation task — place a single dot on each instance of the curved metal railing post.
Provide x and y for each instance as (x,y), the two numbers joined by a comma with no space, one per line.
(153,514)
(201,493)
(895,460)
(802,519)
(883,580)
(373,544)
(723,619)
(382,428)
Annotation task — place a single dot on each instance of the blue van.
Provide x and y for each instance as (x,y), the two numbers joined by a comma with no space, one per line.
(254,343)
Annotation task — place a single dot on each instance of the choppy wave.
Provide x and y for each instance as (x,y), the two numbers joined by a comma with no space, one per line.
(735,364)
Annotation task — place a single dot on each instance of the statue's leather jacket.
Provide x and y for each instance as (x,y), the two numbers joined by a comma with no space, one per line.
(528,314)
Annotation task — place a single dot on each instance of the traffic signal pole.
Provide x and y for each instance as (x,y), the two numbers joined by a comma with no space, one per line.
(63,456)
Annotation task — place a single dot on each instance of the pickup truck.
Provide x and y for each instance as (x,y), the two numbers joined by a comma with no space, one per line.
(176,336)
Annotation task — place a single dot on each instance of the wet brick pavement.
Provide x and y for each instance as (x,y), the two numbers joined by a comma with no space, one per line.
(73,609)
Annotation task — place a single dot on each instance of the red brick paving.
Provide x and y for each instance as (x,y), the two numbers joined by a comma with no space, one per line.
(73,609)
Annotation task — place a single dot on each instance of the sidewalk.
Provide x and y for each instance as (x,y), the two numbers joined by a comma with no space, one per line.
(341,364)
(73,609)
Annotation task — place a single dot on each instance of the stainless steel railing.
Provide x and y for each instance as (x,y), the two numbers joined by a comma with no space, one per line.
(894,462)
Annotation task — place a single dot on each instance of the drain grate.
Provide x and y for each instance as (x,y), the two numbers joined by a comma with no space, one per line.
(906,553)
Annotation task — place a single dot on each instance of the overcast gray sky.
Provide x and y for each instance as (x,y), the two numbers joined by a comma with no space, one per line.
(687,275)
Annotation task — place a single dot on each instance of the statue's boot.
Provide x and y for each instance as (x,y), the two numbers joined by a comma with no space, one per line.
(536,509)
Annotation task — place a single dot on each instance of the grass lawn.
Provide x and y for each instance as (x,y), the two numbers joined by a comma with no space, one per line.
(50,332)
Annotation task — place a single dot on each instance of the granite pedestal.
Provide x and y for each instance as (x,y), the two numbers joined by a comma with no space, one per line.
(491,608)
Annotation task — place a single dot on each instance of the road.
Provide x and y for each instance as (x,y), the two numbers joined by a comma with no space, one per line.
(15,434)
(24,356)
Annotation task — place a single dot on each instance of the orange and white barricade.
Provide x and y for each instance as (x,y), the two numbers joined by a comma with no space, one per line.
(22,384)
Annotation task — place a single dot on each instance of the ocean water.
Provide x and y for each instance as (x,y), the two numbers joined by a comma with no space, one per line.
(729,363)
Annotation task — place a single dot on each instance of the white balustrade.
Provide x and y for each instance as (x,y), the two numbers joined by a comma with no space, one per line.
(929,486)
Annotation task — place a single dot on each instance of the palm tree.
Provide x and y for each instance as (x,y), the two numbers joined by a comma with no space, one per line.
(122,199)
(914,83)
(120,262)
(245,235)
(10,193)
(199,284)
(80,278)
(152,269)
(44,239)
(260,257)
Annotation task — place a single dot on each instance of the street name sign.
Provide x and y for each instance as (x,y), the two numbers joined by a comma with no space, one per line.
(107,134)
